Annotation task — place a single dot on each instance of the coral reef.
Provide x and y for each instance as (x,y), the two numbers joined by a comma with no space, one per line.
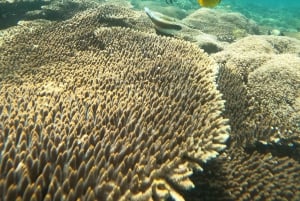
(276,87)
(166,9)
(160,6)
(259,77)
(293,34)
(226,26)
(247,175)
(15,11)
(261,176)
(211,30)
(101,114)
(11,13)
(98,107)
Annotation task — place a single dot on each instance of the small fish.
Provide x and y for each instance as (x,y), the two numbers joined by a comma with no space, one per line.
(275,32)
(209,3)
(163,24)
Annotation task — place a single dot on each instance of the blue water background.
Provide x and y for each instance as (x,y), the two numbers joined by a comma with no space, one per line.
(266,3)
(270,14)
(280,14)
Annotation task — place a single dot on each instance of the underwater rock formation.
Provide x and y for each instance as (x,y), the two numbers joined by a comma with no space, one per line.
(102,114)
(168,9)
(178,8)
(259,77)
(226,26)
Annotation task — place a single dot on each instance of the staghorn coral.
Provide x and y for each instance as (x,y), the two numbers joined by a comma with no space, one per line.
(103,114)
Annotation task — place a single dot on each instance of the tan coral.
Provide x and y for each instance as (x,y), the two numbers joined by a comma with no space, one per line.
(243,175)
(105,114)
(276,86)
(260,81)
(259,176)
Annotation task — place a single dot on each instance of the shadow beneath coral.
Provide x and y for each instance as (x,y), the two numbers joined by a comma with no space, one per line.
(279,150)
(11,13)
(209,184)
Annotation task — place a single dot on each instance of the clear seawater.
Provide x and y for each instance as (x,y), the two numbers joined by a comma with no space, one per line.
(283,15)
(280,14)
(274,14)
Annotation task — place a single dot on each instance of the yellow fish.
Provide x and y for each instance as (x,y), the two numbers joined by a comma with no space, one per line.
(209,3)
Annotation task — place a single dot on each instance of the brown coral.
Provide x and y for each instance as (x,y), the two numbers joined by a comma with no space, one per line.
(106,114)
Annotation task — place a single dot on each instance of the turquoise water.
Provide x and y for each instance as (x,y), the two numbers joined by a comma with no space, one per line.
(280,14)
(266,3)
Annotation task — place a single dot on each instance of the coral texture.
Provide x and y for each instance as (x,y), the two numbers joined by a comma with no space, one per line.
(245,175)
(256,176)
(259,77)
(105,113)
